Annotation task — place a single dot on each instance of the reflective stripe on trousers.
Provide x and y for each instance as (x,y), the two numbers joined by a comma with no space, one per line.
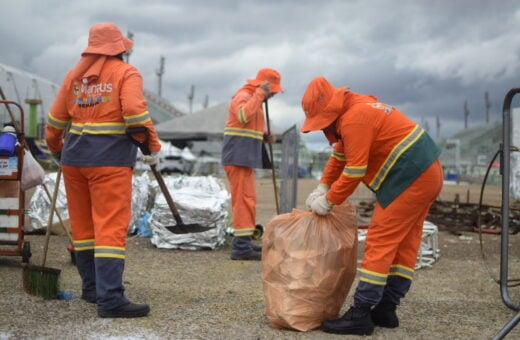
(394,238)
(99,202)
(242,184)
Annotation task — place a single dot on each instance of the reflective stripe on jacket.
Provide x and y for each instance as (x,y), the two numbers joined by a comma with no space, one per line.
(245,128)
(382,148)
(99,113)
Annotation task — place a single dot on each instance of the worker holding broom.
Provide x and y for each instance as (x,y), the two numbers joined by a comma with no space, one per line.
(99,98)
(376,144)
(244,150)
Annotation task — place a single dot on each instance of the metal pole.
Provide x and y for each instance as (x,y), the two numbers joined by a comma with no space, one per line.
(33,117)
(504,234)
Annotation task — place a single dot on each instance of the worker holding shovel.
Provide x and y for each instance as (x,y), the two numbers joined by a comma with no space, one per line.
(99,99)
(376,144)
(244,150)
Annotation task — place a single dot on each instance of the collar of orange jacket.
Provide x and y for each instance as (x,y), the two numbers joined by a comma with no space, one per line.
(89,67)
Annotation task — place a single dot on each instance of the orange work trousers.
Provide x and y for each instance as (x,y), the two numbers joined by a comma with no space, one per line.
(242,184)
(395,232)
(100,202)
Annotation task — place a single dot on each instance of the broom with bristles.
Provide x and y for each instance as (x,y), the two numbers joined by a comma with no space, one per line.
(40,280)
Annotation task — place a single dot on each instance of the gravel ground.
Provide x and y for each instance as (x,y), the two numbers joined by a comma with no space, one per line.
(204,295)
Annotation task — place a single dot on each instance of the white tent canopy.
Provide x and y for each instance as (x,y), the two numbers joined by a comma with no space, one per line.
(207,124)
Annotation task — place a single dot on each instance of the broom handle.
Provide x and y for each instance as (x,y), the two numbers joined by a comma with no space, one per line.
(51,215)
(65,229)
(272,160)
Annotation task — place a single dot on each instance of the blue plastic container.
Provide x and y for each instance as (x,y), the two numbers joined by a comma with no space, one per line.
(7,143)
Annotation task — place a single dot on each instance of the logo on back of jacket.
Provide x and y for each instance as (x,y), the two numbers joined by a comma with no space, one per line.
(87,95)
(381,106)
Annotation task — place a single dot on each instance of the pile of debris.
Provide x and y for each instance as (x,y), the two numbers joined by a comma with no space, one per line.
(457,216)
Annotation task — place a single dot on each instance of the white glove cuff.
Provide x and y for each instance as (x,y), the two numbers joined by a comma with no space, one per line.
(323,188)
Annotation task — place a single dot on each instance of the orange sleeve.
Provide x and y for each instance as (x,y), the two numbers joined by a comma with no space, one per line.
(357,137)
(246,107)
(134,108)
(58,119)
(334,165)
(54,139)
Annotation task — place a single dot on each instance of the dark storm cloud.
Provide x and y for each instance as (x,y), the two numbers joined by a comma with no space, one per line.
(426,58)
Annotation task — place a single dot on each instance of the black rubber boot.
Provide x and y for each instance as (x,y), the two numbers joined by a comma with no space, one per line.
(356,320)
(129,310)
(384,315)
(242,249)
(89,296)
(87,270)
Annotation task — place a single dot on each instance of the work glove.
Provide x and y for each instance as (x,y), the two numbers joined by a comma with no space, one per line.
(267,89)
(151,159)
(269,138)
(321,205)
(320,190)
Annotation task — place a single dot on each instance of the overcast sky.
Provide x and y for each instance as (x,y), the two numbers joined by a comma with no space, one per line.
(424,57)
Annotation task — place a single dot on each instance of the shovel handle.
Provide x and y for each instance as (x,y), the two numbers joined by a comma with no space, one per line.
(143,146)
(167,195)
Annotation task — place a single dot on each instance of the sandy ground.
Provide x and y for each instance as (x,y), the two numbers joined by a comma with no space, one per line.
(204,295)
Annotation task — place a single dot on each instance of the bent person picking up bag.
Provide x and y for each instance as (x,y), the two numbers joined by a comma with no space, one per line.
(375,144)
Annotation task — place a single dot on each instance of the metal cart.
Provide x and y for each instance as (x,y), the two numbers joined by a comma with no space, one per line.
(12,197)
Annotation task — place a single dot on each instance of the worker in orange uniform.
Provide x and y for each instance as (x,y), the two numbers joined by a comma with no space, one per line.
(99,98)
(243,151)
(376,144)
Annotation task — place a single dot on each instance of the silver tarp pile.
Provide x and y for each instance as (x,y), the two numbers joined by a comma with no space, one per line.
(202,200)
(141,204)
(39,206)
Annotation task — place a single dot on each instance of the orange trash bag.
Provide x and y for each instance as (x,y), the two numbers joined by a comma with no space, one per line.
(308,265)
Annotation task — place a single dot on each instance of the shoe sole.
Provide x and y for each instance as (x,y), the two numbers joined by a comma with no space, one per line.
(385,323)
(88,300)
(109,314)
(249,256)
(245,259)
(354,331)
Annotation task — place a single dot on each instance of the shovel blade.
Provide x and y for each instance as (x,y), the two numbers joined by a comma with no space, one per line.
(187,228)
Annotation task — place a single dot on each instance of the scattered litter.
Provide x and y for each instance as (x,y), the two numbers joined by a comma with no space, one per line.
(429,251)
(65,295)
(465,238)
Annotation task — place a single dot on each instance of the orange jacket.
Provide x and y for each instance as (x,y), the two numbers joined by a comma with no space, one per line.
(245,129)
(99,98)
(378,146)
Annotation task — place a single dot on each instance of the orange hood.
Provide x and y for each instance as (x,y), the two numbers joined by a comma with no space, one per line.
(322,104)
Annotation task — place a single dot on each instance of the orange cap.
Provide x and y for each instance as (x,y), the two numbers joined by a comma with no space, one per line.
(267,74)
(322,104)
(107,39)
